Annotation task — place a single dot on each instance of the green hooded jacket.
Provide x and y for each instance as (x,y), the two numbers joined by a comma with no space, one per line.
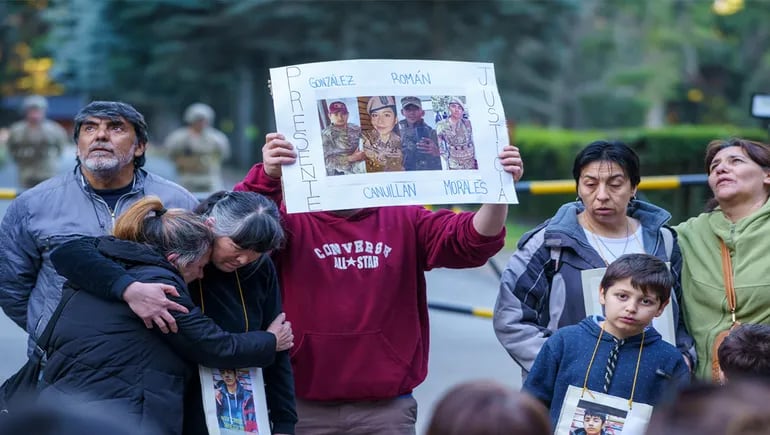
(703,293)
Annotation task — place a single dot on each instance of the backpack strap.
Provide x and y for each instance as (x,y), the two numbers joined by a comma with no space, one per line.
(668,241)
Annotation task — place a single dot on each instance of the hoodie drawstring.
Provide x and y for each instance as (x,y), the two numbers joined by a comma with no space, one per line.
(617,344)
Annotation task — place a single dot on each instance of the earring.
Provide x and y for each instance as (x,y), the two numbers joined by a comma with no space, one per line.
(578,199)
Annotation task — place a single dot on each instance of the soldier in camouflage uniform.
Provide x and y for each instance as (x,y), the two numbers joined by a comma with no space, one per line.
(381,144)
(340,143)
(456,138)
(198,150)
(418,139)
(35,143)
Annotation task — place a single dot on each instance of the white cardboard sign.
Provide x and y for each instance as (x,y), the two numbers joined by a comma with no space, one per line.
(357,147)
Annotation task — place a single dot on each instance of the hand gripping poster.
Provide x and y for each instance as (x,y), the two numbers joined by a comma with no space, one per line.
(373,133)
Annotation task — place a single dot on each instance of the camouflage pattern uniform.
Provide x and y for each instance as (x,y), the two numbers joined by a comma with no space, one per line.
(198,155)
(338,144)
(36,150)
(457,144)
(382,156)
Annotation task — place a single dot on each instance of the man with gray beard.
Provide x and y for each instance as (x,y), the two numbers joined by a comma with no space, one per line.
(111,139)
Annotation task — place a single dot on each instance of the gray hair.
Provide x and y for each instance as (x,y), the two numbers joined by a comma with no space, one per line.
(249,219)
(114,110)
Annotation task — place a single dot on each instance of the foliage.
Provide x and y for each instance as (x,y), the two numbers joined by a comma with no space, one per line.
(549,153)
(560,63)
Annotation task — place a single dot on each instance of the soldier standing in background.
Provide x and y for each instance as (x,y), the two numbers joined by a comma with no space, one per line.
(35,143)
(198,150)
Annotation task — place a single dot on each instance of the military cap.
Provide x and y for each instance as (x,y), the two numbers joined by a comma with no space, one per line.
(456,100)
(380,102)
(338,107)
(411,101)
(34,101)
(198,111)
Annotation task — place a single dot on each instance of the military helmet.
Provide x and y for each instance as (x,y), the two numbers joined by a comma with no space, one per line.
(198,111)
(34,102)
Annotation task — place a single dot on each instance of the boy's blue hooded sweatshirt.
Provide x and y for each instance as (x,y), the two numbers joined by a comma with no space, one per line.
(564,359)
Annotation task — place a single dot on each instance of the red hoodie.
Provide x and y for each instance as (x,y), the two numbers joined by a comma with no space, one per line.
(354,289)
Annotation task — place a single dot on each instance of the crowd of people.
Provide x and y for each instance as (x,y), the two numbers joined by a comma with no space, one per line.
(148,284)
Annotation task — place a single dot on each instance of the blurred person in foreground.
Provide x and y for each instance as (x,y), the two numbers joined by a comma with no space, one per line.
(488,408)
(737,408)
(108,178)
(738,218)
(198,150)
(35,143)
(745,353)
(353,283)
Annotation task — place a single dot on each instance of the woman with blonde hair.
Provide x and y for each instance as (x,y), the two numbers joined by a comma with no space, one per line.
(104,356)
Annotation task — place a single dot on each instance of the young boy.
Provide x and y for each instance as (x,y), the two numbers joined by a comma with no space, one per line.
(593,423)
(635,289)
(745,353)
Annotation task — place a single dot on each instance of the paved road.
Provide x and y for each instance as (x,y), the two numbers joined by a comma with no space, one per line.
(462,347)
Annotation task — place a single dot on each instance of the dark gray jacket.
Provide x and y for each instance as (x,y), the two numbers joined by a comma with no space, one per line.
(42,218)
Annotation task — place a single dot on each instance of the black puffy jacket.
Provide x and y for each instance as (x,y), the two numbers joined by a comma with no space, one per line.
(102,354)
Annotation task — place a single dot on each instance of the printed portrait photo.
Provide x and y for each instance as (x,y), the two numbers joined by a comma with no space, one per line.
(235,401)
(387,133)
(595,419)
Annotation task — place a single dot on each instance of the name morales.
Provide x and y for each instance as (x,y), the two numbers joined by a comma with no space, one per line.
(393,190)
(464,187)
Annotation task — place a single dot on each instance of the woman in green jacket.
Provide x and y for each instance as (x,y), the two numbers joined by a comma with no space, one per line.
(739,214)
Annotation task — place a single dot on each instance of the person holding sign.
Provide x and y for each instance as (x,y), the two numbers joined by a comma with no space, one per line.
(739,217)
(541,289)
(382,145)
(353,282)
(620,356)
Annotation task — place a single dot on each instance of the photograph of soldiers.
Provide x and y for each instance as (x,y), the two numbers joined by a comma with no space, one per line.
(198,150)
(456,137)
(382,145)
(418,139)
(35,143)
(340,140)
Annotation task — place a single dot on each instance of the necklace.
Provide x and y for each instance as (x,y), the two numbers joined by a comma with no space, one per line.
(599,242)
